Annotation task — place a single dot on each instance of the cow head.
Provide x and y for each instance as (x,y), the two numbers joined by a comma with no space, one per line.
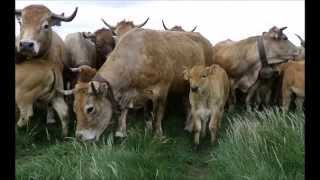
(35,28)
(93,103)
(198,77)
(123,26)
(176,28)
(277,46)
(104,43)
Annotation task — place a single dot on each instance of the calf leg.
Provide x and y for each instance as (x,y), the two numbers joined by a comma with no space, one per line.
(214,124)
(122,130)
(26,112)
(61,108)
(197,128)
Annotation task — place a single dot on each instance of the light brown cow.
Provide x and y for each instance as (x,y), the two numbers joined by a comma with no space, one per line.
(144,67)
(123,26)
(242,60)
(176,28)
(293,83)
(40,72)
(209,92)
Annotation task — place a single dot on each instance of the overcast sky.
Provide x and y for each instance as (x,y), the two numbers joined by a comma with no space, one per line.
(216,20)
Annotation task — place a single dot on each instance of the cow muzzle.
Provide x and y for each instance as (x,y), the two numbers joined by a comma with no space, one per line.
(86,135)
(194,88)
(28,47)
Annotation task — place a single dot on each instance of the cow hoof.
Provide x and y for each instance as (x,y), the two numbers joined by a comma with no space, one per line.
(196,148)
(120,134)
(21,123)
(188,129)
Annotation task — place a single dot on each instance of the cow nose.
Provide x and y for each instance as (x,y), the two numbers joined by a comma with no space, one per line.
(194,88)
(89,109)
(26,45)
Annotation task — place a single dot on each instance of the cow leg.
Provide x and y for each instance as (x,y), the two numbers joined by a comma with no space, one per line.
(251,93)
(160,109)
(286,99)
(197,128)
(26,112)
(204,126)
(148,116)
(61,108)
(188,123)
(122,129)
(299,103)
(50,115)
(214,124)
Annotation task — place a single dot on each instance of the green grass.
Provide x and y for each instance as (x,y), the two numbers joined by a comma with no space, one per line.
(251,145)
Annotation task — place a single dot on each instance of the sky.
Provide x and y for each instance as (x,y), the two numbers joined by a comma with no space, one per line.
(216,20)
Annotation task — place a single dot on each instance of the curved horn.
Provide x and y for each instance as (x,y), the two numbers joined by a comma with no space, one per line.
(142,24)
(108,25)
(18,12)
(301,40)
(164,26)
(66,19)
(75,69)
(66,92)
(194,29)
(283,28)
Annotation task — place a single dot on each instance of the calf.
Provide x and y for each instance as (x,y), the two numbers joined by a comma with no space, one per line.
(209,92)
(292,74)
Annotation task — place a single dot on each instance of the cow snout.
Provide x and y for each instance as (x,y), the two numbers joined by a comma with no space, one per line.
(85,135)
(26,46)
(194,88)
(89,109)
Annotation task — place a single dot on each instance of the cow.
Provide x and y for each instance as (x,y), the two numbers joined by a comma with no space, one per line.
(40,72)
(249,58)
(293,83)
(81,51)
(176,28)
(301,48)
(143,68)
(104,44)
(123,26)
(209,92)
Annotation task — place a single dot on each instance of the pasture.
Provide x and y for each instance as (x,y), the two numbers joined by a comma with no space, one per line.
(266,144)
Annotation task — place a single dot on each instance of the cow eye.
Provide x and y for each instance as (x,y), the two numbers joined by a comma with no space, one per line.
(45,26)
(203,76)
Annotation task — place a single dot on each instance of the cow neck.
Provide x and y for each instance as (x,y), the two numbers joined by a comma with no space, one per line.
(262,52)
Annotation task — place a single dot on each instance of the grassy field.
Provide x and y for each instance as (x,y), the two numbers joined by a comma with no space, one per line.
(252,145)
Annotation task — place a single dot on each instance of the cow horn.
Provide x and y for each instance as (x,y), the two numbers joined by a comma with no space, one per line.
(75,69)
(66,92)
(108,25)
(164,26)
(18,12)
(283,28)
(93,88)
(66,19)
(302,42)
(142,24)
(194,29)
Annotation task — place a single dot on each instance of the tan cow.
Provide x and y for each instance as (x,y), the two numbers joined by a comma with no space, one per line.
(293,83)
(40,72)
(242,59)
(176,28)
(144,67)
(209,92)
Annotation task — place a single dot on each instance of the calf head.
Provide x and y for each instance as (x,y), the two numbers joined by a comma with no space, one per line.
(277,46)
(35,28)
(198,78)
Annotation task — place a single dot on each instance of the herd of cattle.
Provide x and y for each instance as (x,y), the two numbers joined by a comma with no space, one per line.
(127,67)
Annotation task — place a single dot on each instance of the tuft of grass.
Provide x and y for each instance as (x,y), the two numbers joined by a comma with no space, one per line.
(251,145)
(261,145)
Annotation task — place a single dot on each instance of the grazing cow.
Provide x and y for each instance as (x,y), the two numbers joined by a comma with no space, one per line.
(209,92)
(40,72)
(244,60)
(104,44)
(144,67)
(176,28)
(123,26)
(81,51)
(293,78)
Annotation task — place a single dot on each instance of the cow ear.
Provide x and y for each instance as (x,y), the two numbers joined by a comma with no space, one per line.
(185,74)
